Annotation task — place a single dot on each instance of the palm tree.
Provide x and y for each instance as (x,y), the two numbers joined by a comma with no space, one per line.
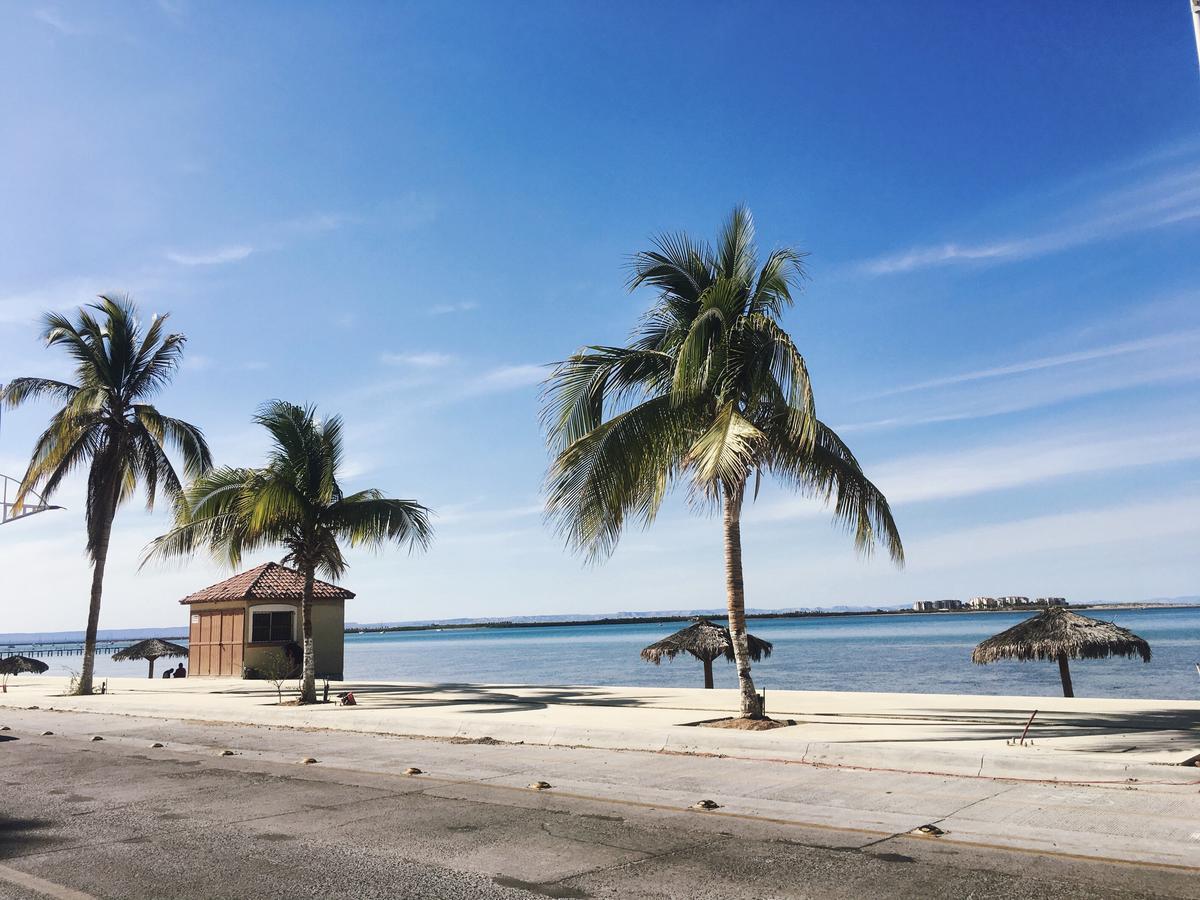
(293,502)
(712,391)
(106,424)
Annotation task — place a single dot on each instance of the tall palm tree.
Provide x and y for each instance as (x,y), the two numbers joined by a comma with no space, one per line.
(293,502)
(106,424)
(712,391)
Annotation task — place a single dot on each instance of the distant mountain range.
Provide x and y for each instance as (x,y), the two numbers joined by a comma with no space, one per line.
(716,612)
(608,617)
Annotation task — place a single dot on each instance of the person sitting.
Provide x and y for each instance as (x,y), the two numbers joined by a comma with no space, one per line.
(168,673)
(181,672)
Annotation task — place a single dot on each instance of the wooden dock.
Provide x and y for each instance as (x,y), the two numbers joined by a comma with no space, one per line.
(49,649)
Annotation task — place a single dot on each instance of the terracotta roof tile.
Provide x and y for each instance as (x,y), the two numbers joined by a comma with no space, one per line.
(270,581)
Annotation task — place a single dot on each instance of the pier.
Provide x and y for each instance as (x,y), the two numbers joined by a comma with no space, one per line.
(50,649)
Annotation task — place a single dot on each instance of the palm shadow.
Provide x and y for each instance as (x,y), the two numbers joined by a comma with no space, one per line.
(1169,730)
(20,836)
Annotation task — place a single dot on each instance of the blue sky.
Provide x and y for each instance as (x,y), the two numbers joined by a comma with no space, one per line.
(401,212)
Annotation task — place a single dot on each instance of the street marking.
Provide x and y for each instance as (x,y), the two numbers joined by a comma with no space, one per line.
(41,885)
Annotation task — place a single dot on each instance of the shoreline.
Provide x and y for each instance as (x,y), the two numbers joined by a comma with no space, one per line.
(788,614)
(114,635)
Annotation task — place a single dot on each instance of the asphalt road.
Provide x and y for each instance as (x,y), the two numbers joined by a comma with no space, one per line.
(118,818)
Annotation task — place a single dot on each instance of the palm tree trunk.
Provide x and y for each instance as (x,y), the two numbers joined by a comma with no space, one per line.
(100,557)
(308,678)
(736,599)
(708,679)
(1064,672)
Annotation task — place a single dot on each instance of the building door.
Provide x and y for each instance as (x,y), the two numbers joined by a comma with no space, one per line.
(215,642)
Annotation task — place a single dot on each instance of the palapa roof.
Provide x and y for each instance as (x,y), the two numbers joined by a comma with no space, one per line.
(1059,631)
(270,581)
(151,648)
(704,640)
(16,664)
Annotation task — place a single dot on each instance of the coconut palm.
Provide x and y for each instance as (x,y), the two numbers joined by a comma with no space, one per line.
(293,502)
(711,391)
(107,425)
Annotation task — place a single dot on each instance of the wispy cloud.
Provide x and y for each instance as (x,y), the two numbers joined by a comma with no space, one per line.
(1124,348)
(446,309)
(264,238)
(504,378)
(233,253)
(1005,398)
(1122,524)
(24,306)
(317,223)
(1032,382)
(1016,463)
(55,20)
(173,9)
(474,514)
(427,360)
(1162,199)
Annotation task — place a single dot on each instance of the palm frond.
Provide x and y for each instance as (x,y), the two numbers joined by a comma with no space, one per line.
(783,270)
(735,247)
(368,519)
(828,471)
(619,470)
(579,388)
(677,266)
(22,390)
(725,454)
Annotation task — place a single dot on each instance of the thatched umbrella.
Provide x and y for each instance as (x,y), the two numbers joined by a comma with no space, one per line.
(1058,633)
(151,649)
(706,642)
(15,665)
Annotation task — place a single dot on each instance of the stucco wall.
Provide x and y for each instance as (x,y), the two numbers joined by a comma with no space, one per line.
(328,633)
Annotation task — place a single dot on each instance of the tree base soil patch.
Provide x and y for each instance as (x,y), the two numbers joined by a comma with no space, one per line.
(740,724)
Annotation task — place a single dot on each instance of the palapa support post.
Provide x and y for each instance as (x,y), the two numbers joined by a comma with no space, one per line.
(705,641)
(1064,671)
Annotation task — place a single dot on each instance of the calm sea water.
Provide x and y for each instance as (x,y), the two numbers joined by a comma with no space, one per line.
(923,653)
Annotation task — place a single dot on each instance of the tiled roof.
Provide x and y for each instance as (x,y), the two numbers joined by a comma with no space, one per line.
(270,581)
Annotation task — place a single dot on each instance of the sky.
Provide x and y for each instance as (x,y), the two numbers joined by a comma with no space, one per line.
(401,212)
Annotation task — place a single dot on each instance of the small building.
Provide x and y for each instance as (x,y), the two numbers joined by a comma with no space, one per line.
(923,606)
(237,623)
(1052,601)
(983,603)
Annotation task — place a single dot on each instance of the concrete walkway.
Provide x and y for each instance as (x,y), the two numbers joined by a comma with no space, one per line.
(1070,740)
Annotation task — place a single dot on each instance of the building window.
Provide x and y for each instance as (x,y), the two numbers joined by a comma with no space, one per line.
(266,627)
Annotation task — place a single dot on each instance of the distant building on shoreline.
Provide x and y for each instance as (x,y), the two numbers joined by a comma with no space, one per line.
(936,605)
(1010,602)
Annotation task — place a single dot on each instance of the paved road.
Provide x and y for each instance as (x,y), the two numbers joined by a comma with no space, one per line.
(118,818)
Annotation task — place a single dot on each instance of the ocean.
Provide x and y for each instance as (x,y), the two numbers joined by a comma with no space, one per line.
(926,653)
